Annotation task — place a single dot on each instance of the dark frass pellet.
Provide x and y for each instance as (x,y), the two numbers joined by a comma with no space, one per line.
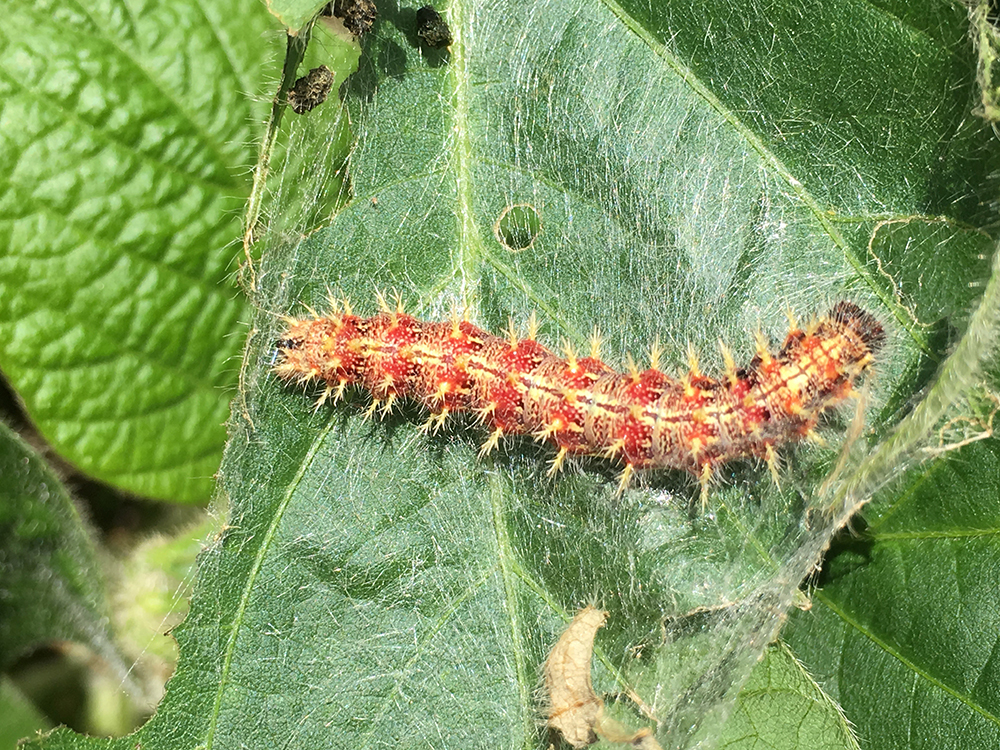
(432,29)
(311,90)
(357,15)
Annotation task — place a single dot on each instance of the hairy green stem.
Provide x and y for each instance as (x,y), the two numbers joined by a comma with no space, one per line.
(959,374)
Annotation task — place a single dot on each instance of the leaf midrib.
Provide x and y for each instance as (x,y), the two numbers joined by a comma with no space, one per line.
(506,560)
(777,165)
(258,562)
(469,242)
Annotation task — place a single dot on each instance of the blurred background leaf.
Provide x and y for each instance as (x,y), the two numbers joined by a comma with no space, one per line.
(52,589)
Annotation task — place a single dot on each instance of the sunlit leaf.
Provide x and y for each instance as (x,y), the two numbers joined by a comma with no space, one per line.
(125,139)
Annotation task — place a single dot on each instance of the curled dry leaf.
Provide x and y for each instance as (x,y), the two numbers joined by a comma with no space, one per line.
(574,709)
(573,705)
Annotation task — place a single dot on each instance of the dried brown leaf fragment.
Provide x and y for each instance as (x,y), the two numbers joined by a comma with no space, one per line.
(432,29)
(358,15)
(573,705)
(574,709)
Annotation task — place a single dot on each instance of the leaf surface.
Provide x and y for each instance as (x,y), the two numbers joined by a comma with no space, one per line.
(51,588)
(294,14)
(678,174)
(906,620)
(125,130)
(780,706)
(21,719)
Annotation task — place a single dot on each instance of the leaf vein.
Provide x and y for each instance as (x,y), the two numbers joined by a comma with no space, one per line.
(909,664)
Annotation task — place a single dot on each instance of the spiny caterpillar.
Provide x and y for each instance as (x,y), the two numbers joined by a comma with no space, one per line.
(643,419)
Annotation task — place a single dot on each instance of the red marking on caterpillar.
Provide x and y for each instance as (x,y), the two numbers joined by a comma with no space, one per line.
(643,419)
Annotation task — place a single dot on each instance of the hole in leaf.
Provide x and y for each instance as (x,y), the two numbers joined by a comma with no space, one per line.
(518,226)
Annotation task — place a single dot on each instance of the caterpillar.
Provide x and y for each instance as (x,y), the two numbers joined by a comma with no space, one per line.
(644,419)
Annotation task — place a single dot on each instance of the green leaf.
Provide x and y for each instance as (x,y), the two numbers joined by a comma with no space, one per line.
(149,591)
(780,706)
(294,14)
(125,144)
(21,719)
(905,622)
(686,173)
(50,584)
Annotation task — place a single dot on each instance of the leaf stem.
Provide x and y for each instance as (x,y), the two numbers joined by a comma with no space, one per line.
(295,51)
(959,374)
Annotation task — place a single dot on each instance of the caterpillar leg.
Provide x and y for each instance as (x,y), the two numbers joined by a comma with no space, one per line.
(387,405)
(772,464)
(548,431)
(374,407)
(339,391)
(435,421)
(612,451)
(815,438)
(491,442)
(324,397)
